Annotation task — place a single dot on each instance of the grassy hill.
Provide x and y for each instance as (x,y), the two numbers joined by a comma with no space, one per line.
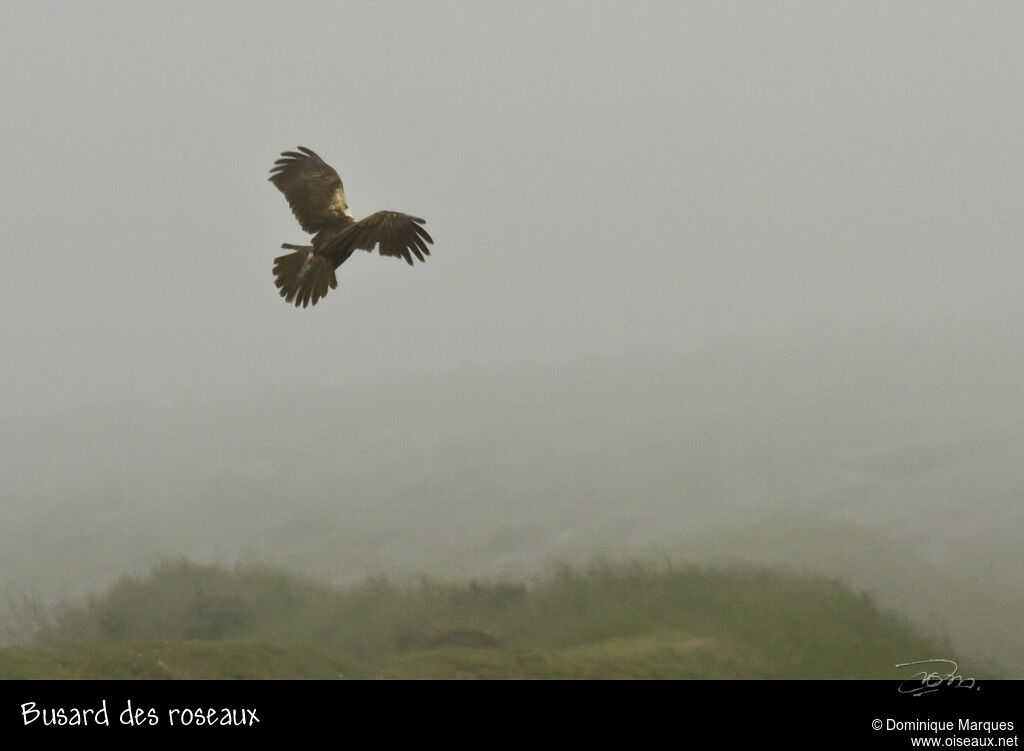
(888,458)
(606,621)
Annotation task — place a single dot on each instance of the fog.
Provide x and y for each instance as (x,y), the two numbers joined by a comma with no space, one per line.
(710,281)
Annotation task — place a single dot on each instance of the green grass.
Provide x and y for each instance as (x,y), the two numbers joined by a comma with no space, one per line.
(662,655)
(606,621)
(172,660)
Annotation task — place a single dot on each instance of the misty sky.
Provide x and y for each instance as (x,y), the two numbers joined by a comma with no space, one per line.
(597,177)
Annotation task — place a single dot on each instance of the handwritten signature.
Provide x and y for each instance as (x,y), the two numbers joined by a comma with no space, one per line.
(929,681)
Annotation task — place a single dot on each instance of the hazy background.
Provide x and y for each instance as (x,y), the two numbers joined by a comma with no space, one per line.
(710,280)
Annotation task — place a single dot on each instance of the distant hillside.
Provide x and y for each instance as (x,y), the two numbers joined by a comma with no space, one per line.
(606,621)
(947,602)
(890,458)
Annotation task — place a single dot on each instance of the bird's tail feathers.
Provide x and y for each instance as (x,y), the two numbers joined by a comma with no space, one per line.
(303,276)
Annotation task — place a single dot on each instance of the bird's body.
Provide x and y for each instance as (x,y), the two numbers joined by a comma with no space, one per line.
(317,198)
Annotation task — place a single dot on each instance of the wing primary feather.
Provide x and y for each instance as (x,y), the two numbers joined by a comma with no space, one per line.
(422,233)
(420,244)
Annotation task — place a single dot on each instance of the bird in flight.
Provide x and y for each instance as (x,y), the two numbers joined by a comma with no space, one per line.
(317,198)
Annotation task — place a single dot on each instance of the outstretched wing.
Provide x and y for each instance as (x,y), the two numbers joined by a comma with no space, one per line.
(312,187)
(397,234)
